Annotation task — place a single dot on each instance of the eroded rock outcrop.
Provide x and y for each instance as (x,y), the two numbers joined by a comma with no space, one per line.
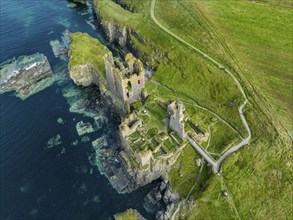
(84,75)
(85,59)
(26,75)
(115,34)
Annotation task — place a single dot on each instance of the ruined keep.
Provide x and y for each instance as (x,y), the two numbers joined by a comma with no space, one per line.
(125,79)
(176,113)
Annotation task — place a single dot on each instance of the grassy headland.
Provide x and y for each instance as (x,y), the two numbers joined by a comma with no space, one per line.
(85,49)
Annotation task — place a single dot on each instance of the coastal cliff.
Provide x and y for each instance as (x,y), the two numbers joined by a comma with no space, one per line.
(85,59)
(84,75)
(124,35)
(130,171)
(115,34)
(118,158)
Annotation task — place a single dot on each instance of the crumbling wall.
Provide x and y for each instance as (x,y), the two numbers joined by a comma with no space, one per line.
(176,123)
(133,94)
(127,82)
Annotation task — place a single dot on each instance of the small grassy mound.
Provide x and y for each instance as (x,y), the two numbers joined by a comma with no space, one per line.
(129,214)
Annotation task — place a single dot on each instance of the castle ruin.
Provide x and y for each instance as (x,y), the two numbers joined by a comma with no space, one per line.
(130,124)
(125,79)
(176,113)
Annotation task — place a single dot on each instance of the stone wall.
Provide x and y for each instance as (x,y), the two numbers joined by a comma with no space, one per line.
(126,82)
(130,125)
(144,158)
(176,123)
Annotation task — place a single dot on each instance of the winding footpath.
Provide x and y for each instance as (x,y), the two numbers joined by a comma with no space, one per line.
(202,107)
(215,164)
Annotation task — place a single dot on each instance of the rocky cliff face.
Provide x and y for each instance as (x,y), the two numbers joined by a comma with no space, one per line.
(115,34)
(138,176)
(124,172)
(85,59)
(121,37)
(84,75)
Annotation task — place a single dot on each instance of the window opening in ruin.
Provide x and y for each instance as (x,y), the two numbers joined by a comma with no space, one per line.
(127,94)
(115,83)
(129,86)
(138,81)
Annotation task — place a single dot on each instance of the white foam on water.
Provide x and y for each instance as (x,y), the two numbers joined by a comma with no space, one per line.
(33,65)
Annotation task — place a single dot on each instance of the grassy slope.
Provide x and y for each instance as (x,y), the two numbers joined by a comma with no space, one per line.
(261,36)
(267,156)
(257,177)
(211,205)
(222,135)
(262,42)
(184,172)
(85,49)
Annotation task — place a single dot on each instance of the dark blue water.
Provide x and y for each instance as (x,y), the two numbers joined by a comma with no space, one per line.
(55,183)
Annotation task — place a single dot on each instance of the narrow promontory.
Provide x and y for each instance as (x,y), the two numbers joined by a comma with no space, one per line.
(86,59)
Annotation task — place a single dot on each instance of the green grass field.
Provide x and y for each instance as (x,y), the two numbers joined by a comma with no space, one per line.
(262,40)
(184,171)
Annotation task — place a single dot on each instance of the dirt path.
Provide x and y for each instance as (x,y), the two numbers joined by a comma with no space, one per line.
(216,166)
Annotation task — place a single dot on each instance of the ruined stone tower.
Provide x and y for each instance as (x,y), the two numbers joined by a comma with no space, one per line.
(176,113)
(125,80)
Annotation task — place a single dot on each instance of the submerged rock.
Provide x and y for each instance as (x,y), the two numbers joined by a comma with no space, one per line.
(33,211)
(100,120)
(96,199)
(99,142)
(60,121)
(75,143)
(85,139)
(54,141)
(26,75)
(60,48)
(83,128)
(72,5)
(25,188)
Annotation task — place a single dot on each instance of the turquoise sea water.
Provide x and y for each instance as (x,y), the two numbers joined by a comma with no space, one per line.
(59,182)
